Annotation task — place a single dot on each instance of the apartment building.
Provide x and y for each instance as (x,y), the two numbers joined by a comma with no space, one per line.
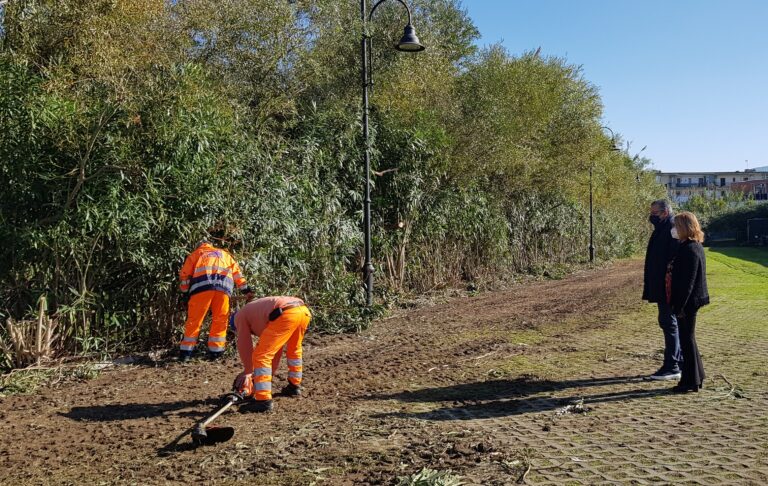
(757,189)
(681,186)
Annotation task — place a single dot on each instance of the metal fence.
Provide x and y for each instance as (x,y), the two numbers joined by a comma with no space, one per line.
(757,231)
(724,238)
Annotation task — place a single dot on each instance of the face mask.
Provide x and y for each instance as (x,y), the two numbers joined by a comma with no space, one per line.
(674,233)
(655,220)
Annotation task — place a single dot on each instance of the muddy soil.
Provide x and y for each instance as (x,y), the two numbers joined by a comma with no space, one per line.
(371,410)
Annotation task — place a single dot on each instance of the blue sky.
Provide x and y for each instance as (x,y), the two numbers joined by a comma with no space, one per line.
(686,78)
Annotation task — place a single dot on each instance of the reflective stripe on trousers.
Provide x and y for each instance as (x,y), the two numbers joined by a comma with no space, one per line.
(188,343)
(295,369)
(262,380)
(287,330)
(217,344)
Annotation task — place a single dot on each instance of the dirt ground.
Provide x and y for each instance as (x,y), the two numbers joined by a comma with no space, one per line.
(478,384)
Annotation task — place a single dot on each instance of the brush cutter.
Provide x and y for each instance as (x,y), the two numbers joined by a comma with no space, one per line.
(204,435)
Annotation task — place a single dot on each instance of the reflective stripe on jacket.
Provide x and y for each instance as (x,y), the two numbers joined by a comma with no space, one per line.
(209,268)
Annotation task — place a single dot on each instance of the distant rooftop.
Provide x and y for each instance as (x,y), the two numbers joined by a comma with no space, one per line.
(746,171)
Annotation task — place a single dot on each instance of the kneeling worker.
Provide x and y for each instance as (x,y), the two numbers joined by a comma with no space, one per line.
(277,321)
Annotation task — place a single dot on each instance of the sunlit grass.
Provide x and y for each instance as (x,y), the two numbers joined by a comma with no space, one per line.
(738,289)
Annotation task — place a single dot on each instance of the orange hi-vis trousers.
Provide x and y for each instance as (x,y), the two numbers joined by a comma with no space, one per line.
(198,307)
(287,330)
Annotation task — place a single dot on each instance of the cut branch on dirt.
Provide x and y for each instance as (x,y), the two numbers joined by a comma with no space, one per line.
(734,393)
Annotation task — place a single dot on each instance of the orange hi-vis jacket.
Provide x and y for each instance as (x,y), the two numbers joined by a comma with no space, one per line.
(209,268)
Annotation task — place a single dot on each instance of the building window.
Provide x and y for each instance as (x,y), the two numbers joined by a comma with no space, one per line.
(746,178)
(722,181)
(734,179)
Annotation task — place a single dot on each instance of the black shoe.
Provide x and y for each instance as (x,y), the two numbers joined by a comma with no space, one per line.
(185,356)
(291,390)
(258,406)
(685,388)
(215,356)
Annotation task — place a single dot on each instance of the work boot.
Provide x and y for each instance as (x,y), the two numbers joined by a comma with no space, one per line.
(258,406)
(291,390)
(185,356)
(215,356)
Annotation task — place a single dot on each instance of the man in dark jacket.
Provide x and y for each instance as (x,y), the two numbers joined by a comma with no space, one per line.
(661,249)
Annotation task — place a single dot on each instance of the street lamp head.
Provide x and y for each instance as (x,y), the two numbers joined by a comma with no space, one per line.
(614,148)
(409,42)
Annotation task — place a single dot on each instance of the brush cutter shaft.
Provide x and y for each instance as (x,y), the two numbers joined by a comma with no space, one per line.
(232,400)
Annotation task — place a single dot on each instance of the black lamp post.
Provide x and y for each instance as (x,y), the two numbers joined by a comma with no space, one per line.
(408,43)
(614,148)
(591,221)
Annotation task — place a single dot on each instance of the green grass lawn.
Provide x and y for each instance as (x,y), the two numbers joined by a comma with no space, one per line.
(738,288)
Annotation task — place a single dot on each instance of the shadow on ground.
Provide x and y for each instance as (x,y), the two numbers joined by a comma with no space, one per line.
(499,398)
(131,411)
(754,254)
(497,389)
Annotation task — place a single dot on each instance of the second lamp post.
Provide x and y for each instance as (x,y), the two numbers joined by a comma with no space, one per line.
(408,43)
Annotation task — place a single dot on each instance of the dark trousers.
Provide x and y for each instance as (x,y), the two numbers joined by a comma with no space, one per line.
(668,324)
(692,367)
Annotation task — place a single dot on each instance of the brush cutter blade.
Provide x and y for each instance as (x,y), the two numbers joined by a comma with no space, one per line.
(212,435)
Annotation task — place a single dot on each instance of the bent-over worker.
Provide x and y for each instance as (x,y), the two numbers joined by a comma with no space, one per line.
(278,322)
(208,278)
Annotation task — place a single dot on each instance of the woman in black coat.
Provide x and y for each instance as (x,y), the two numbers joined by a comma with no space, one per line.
(688,292)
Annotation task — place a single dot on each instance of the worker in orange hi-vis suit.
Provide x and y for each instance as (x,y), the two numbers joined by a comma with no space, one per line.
(208,277)
(278,322)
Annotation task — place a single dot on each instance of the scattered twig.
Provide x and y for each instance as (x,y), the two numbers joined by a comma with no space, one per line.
(28,368)
(478,357)
(727,381)
(521,480)
(576,407)
(437,368)
(735,391)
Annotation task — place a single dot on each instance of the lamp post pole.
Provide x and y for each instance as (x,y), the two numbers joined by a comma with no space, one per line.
(368,265)
(591,197)
(591,221)
(408,43)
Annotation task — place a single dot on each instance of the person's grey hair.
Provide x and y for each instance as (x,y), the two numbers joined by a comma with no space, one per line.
(663,205)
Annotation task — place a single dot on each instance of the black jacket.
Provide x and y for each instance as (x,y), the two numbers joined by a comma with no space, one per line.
(661,249)
(689,278)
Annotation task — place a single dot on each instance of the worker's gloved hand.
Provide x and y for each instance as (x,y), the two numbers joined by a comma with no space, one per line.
(243,385)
